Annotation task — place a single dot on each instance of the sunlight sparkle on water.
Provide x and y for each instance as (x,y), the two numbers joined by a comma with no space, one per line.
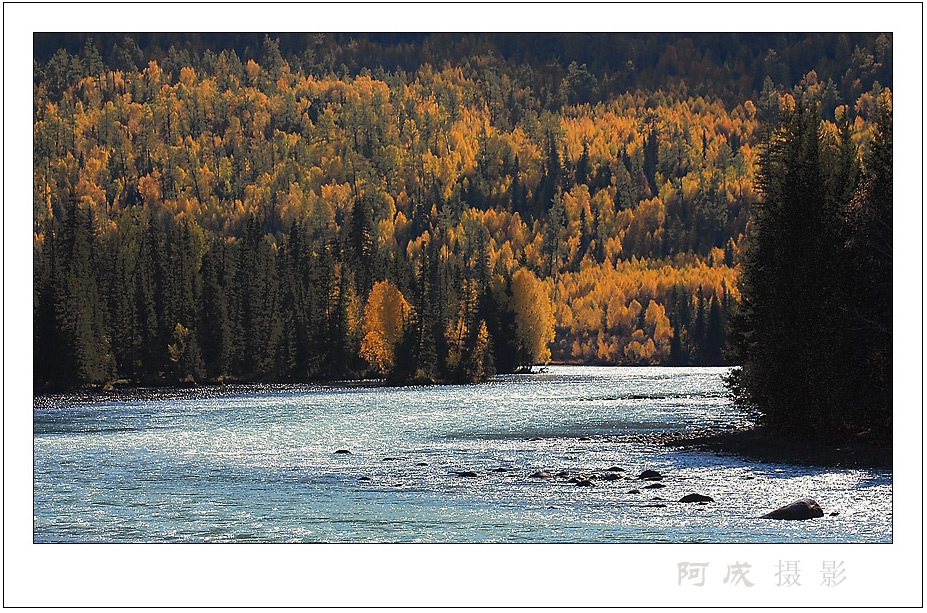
(257,464)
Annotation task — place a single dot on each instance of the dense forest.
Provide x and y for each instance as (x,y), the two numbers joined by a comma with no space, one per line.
(419,207)
(819,266)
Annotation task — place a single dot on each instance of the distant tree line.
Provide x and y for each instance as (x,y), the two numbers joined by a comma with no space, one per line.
(162,301)
(735,66)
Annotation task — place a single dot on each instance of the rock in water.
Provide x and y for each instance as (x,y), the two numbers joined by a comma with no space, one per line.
(650,475)
(541,474)
(584,483)
(653,486)
(343,451)
(696,498)
(806,508)
(615,469)
(466,473)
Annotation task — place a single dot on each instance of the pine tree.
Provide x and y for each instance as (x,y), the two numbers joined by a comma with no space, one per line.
(79,311)
(216,325)
(799,358)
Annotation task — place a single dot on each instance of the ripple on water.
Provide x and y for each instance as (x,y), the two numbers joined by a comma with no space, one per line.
(257,464)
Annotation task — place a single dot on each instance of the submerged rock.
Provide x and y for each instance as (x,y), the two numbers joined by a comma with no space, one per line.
(393,459)
(653,486)
(563,474)
(650,475)
(343,451)
(363,478)
(696,498)
(612,477)
(466,473)
(658,505)
(584,483)
(500,470)
(541,474)
(615,469)
(634,491)
(422,464)
(805,508)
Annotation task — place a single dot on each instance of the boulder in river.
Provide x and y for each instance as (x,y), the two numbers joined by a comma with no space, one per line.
(696,498)
(541,474)
(466,473)
(650,475)
(563,474)
(634,491)
(805,508)
(653,486)
(584,483)
(343,451)
(611,477)
(500,470)
(615,469)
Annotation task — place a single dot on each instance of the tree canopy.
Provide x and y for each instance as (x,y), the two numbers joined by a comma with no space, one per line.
(222,207)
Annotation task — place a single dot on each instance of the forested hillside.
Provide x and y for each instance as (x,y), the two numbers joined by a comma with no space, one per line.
(425,208)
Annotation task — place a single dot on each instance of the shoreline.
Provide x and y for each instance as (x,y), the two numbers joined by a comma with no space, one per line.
(758,444)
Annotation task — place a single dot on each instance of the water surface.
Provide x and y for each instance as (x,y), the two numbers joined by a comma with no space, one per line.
(258,464)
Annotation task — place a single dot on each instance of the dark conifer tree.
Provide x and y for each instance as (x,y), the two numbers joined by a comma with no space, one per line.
(216,324)
(582,166)
(79,315)
(800,360)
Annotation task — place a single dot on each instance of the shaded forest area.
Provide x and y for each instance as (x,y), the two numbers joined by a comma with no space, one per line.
(420,207)
(813,330)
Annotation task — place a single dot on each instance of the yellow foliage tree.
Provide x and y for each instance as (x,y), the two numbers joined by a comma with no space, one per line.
(385,316)
(534,317)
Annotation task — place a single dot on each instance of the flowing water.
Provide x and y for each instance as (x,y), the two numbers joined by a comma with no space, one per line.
(259,464)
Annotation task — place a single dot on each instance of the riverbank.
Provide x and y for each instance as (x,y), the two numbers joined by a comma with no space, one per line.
(759,444)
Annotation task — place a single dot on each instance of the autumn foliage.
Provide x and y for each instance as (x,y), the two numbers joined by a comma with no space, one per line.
(202,215)
(384,317)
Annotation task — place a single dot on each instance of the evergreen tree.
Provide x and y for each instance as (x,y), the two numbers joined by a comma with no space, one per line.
(216,325)
(800,360)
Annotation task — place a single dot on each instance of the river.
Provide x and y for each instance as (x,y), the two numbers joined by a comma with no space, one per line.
(260,464)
